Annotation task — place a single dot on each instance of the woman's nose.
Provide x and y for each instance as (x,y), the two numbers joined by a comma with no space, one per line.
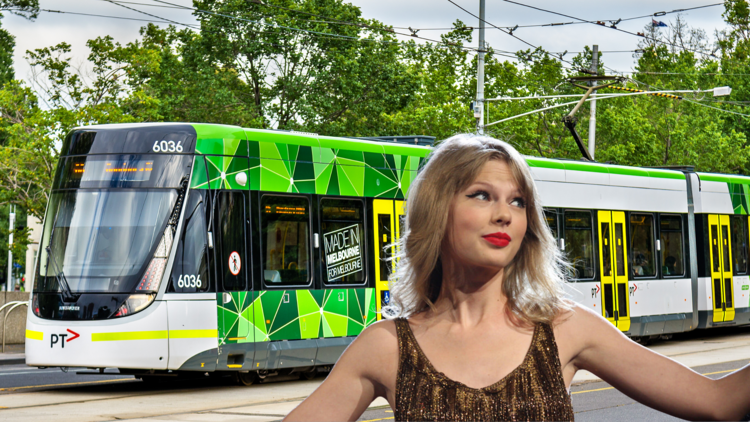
(502,213)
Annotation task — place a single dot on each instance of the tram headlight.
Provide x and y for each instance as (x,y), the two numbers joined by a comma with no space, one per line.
(35,304)
(135,303)
(152,277)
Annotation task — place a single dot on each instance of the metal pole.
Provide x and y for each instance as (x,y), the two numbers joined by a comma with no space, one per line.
(592,120)
(9,281)
(479,107)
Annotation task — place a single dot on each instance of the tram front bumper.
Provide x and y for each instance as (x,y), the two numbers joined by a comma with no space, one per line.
(139,341)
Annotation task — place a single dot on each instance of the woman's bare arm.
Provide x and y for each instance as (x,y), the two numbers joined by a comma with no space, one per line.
(652,379)
(365,371)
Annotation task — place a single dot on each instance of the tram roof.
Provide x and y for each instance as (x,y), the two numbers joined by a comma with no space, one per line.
(561,164)
(355,144)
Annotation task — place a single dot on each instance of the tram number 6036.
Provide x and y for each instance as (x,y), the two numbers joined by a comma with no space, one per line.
(189,280)
(167,146)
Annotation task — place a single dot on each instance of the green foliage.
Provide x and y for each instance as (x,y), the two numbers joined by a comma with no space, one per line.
(312,81)
(7,45)
(28,9)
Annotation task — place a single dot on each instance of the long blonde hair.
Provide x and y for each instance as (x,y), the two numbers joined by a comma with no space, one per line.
(534,280)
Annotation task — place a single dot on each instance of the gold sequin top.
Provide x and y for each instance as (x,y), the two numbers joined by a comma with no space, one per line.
(534,391)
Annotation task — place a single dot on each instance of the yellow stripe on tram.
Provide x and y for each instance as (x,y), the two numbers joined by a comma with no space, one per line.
(130,335)
(153,335)
(34,335)
(194,333)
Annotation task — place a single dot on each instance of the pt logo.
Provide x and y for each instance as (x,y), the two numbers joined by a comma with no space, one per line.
(61,338)
(633,288)
(595,291)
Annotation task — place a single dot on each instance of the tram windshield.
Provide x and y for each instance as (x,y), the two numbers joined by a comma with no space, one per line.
(101,239)
(105,219)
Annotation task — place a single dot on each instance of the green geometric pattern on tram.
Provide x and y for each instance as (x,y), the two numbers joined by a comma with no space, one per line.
(220,140)
(221,171)
(295,314)
(280,167)
(740,194)
(235,318)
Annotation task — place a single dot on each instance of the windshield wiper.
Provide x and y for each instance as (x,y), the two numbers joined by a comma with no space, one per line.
(67,293)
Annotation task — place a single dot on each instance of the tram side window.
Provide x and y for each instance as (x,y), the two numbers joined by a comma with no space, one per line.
(285,233)
(342,224)
(579,243)
(739,244)
(190,269)
(551,217)
(642,243)
(672,262)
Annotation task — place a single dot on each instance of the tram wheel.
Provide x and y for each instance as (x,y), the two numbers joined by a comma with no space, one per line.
(150,379)
(245,378)
(308,375)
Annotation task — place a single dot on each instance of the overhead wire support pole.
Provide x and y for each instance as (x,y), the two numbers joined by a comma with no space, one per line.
(479,105)
(592,120)
(9,285)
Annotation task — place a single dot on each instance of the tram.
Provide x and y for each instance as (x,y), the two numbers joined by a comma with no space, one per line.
(177,248)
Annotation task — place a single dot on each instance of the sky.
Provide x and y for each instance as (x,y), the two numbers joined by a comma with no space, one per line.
(51,28)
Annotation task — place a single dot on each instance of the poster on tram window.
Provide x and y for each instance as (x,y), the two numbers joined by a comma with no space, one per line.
(343,252)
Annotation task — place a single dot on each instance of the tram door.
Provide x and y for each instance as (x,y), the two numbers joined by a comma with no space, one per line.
(230,244)
(721,267)
(613,268)
(386,229)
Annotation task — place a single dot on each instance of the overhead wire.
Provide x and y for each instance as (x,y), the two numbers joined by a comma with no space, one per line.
(504,31)
(114,17)
(387,30)
(612,27)
(143,13)
(637,82)
(657,14)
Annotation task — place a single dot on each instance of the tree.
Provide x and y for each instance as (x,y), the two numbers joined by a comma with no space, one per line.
(312,65)
(26,8)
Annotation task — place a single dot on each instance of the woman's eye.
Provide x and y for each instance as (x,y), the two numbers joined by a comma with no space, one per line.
(482,195)
(519,202)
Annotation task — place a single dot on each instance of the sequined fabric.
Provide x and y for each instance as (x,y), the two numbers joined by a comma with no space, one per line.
(534,391)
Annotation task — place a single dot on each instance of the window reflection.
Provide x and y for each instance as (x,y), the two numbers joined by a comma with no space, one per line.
(672,262)
(642,245)
(579,243)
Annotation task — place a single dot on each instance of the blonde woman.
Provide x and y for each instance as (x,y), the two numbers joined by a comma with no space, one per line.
(483,330)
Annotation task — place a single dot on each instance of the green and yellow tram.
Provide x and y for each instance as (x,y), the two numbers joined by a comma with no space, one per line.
(169,248)
(177,247)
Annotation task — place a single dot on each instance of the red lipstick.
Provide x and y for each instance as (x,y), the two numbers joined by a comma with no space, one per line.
(499,239)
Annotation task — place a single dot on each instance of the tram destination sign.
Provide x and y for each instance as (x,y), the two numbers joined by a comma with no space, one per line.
(343,252)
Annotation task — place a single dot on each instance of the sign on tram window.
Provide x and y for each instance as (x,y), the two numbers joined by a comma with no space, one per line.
(285,234)
(124,171)
(190,269)
(343,241)
(579,243)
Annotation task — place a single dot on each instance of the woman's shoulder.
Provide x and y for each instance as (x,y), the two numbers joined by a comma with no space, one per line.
(374,353)
(579,324)
(381,336)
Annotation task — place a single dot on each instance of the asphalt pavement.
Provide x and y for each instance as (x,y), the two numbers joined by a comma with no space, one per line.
(28,394)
